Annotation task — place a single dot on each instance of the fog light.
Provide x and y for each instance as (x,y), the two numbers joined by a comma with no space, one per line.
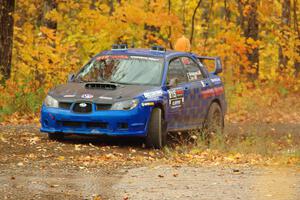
(123,125)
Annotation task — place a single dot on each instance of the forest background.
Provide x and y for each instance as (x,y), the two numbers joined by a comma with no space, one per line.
(42,41)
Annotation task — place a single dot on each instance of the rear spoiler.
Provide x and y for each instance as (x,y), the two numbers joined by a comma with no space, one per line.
(218,63)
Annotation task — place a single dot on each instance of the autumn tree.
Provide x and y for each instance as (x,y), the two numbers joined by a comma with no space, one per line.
(48,6)
(226,11)
(285,26)
(193,21)
(297,46)
(250,26)
(6,37)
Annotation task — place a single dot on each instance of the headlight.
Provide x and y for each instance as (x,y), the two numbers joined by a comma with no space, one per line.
(51,102)
(125,105)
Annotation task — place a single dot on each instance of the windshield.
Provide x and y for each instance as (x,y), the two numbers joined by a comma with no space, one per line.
(123,69)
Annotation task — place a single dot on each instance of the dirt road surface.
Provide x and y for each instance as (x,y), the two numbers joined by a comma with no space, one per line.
(33,167)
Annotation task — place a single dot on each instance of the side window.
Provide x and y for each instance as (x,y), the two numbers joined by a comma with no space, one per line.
(176,70)
(192,69)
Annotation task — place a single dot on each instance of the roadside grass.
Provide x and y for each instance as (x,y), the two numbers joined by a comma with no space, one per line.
(237,148)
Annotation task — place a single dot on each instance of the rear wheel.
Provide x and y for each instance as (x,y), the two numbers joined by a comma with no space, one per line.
(214,123)
(157,135)
(56,136)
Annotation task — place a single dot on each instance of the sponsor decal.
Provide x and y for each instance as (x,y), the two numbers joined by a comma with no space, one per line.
(216,80)
(194,75)
(112,57)
(82,105)
(203,83)
(87,96)
(105,98)
(144,58)
(176,97)
(69,95)
(186,61)
(153,94)
(176,103)
(179,93)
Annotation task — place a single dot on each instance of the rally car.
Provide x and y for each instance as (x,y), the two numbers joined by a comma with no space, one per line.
(137,92)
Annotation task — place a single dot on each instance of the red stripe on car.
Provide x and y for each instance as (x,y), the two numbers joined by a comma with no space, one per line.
(207,93)
(219,90)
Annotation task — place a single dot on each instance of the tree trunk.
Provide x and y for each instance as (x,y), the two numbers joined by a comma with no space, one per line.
(169,28)
(6,37)
(111,7)
(193,22)
(285,23)
(183,12)
(206,18)
(250,26)
(297,47)
(49,5)
(226,12)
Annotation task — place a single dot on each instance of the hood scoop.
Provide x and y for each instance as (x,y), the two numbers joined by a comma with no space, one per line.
(103,86)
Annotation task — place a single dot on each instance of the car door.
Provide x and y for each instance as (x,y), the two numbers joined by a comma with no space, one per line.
(201,92)
(176,111)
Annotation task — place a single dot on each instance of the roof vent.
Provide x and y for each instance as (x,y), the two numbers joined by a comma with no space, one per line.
(119,47)
(158,48)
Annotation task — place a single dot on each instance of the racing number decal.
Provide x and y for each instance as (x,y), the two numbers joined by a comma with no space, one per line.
(176,97)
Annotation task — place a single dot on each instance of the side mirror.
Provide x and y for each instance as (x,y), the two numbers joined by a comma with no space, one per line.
(218,66)
(172,83)
(71,77)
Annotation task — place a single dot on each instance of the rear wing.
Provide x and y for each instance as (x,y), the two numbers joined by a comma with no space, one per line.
(218,63)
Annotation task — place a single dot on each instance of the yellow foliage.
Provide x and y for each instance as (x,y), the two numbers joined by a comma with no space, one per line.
(43,57)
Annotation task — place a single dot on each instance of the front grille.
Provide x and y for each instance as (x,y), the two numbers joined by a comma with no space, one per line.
(65,105)
(71,124)
(100,107)
(82,107)
(90,125)
(102,125)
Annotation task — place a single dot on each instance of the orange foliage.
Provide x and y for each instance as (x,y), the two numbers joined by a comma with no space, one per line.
(42,57)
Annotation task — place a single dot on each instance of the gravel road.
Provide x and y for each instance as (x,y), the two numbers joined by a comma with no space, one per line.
(32,167)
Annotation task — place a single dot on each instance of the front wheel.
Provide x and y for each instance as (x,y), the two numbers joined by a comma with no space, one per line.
(157,135)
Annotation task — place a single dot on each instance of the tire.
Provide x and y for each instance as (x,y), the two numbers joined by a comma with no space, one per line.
(157,135)
(214,123)
(56,136)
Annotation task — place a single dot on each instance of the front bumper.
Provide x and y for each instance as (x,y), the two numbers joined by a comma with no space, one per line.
(109,122)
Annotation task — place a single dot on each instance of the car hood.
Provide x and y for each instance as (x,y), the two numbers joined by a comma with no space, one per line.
(98,92)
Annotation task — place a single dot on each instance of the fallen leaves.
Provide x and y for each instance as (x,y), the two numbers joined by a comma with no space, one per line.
(2,138)
(23,147)
(18,118)
(61,158)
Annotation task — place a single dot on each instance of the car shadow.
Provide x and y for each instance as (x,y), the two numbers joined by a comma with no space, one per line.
(102,141)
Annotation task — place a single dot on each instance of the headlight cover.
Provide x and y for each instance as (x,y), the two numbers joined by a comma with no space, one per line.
(51,102)
(125,105)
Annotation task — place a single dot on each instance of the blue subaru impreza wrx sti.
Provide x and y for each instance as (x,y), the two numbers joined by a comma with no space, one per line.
(137,92)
